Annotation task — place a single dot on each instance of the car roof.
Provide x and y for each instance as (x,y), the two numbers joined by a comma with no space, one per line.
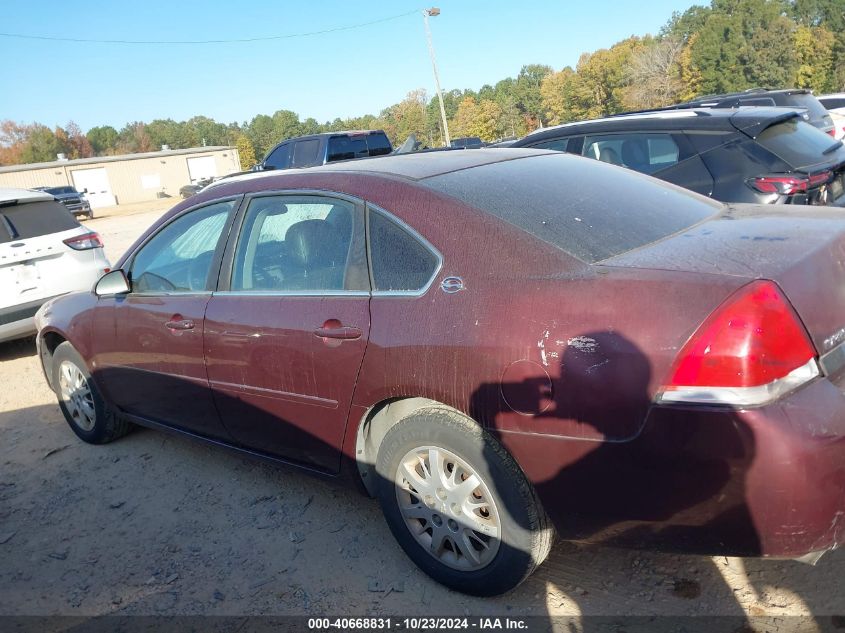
(413,166)
(8,194)
(693,118)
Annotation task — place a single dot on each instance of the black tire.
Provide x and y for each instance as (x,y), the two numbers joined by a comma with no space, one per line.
(107,426)
(525,533)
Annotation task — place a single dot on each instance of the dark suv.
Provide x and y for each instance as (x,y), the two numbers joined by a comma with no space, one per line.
(319,149)
(813,111)
(755,154)
(71,198)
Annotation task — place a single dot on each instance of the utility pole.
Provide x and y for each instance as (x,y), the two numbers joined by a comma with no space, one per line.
(433,12)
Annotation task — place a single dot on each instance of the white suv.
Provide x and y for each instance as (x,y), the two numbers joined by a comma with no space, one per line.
(44,253)
(835,104)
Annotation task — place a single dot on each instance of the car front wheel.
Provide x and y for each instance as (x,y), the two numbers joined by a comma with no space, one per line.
(459,505)
(86,412)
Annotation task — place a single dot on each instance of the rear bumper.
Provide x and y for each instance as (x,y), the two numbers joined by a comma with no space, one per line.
(762,482)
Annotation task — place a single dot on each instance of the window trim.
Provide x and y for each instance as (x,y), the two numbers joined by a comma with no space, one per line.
(227,267)
(414,234)
(216,260)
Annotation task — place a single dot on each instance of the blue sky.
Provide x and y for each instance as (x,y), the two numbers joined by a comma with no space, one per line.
(340,74)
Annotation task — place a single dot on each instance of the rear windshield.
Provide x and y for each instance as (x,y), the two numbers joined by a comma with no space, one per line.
(815,109)
(378,144)
(588,209)
(799,144)
(22,221)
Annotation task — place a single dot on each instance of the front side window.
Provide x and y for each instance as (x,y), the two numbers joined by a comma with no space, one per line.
(279,158)
(399,261)
(556,144)
(646,153)
(294,244)
(178,258)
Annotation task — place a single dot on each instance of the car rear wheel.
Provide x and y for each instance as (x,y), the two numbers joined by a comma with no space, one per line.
(88,415)
(459,505)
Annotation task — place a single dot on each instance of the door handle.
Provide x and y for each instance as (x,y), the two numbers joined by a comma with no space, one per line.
(342,332)
(180,325)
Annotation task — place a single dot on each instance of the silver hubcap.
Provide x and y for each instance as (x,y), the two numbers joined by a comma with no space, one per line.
(448,508)
(76,396)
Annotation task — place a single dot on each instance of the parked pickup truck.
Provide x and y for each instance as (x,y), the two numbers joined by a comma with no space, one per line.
(71,198)
(319,149)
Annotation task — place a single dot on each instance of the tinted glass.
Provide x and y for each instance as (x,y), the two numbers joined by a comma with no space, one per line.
(399,260)
(305,153)
(646,153)
(60,190)
(798,143)
(34,219)
(378,144)
(815,109)
(294,244)
(580,206)
(280,157)
(346,147)
(178,258)
(556,144)
(831,103)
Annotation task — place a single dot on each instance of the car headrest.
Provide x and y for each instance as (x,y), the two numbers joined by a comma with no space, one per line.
(634,153)
(609,155)
(316,244)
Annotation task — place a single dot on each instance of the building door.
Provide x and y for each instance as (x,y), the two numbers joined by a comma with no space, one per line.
(201,167)
(94,183)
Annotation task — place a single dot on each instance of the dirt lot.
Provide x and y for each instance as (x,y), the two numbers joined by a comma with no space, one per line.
(155,524)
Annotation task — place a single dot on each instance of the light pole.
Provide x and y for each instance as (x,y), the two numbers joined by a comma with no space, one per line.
(433,12)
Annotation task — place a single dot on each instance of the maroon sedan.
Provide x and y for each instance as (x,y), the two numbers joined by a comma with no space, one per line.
(503,344)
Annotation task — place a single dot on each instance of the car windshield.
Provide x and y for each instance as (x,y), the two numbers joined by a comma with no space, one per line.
(800,144)
(33,219)
(814,108)
(590,210)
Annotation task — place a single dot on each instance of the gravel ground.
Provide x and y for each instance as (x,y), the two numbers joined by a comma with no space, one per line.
(161,525)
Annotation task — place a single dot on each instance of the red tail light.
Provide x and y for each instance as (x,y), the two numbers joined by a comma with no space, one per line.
(832,132)
(819,179)
(788,185)
(84,242)
(751,350)
(784,185)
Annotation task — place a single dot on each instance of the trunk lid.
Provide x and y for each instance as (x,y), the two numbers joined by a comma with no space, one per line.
(803,251)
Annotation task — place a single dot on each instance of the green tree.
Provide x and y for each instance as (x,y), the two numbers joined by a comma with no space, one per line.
(526,90)
(558,93)
(41,145)
(814,56)
(245,151)
(260,132)
(103,139)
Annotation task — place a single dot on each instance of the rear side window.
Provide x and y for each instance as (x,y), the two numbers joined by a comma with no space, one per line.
(798,143)
(400,262)
(280,157)
(294,244)
(378,144)
(34,219)
(586,209)
(346,148)
(305,153)
(646,153)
